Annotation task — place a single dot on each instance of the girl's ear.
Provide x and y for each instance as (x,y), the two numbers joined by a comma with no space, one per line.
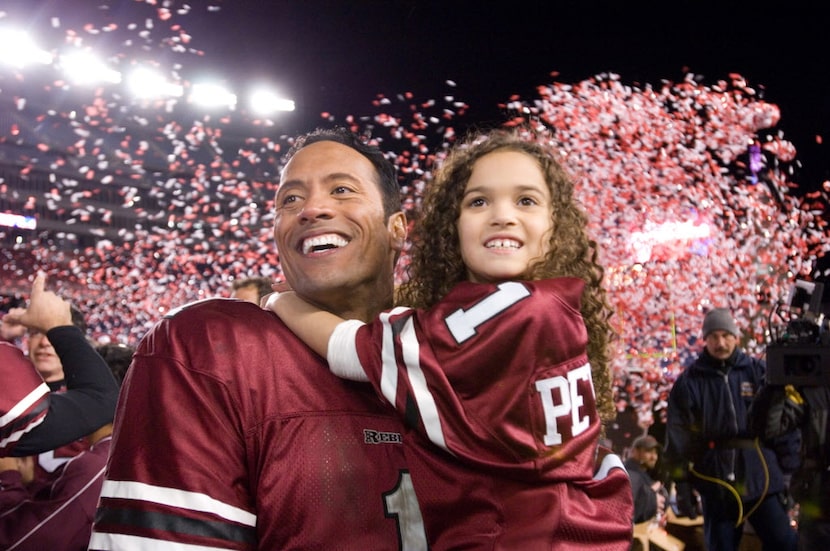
(397,230)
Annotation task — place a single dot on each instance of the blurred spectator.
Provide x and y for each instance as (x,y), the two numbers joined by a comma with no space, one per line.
(48,364)
(649,494)
(43,354)
(118,357)
(251,289)
(56,513)
(32,419)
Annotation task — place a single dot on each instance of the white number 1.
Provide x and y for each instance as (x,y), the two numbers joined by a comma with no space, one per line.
(463,323)
(402,504)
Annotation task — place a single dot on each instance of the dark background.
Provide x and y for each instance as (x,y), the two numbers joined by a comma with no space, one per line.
(336,55)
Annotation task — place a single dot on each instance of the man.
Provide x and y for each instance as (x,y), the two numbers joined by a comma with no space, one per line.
(46,359)
(50,367)
(55,513)
(230,433)
(649,494)
(251,289)
(709,445)
(32,418)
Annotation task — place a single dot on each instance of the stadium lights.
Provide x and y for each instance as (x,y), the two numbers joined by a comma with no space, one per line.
(145,83)
(212,95)
(86,68)
(18,49)
(267,102)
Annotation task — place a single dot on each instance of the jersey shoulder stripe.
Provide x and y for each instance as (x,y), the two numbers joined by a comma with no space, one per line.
(24,415)
(179,516)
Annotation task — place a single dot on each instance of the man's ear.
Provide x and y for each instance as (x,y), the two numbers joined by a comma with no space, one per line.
(397,230)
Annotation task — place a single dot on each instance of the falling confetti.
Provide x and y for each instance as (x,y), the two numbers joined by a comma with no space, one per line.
(145,205)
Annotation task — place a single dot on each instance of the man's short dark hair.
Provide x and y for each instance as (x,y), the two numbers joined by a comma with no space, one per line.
(78,319)
(387,180)
(118,357)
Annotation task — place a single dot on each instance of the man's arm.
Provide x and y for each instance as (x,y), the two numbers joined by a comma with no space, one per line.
(178,448)
(89,402)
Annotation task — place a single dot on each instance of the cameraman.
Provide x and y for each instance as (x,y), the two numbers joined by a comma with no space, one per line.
(783,409)
(709,447)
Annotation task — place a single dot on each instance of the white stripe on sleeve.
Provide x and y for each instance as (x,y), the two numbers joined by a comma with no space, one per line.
(195,501)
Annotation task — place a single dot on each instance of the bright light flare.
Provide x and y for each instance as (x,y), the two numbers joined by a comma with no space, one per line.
(212,95)
(267,102)
(86,68)
(18,49)
(145,83)
(643,242)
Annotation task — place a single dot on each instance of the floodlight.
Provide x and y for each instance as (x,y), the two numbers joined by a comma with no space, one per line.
(18,49)
(267,102)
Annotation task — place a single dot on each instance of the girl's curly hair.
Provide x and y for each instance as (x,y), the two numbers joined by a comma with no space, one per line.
(436,265)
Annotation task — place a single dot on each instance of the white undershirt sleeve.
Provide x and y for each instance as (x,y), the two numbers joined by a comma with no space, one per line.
(342,354)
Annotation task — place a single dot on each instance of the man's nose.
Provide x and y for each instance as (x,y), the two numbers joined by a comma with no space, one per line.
(317,205)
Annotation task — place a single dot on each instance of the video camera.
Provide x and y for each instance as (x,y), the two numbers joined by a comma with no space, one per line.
(800,355)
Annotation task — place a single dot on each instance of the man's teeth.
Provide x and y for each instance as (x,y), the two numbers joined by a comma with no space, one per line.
(329,241)
(503,244)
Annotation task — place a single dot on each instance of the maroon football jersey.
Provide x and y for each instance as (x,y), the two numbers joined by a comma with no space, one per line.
(232,434)
(497,377)
(24,401)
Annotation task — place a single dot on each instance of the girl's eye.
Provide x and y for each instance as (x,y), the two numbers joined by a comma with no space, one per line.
(476,202)
(528,201)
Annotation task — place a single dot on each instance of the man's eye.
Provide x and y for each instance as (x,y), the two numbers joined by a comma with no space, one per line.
(288,199)
(340,190)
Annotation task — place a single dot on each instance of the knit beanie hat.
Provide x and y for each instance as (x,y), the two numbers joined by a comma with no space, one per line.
(719,319)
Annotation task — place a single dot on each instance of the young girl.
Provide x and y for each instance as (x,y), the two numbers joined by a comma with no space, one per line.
(500,358)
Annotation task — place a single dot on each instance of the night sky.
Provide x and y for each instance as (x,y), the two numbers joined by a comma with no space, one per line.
(334,55)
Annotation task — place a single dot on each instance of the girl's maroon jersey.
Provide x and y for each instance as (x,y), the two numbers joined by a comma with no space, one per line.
(497,377)
(24,400)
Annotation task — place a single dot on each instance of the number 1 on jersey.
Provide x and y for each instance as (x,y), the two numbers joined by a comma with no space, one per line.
(463,323)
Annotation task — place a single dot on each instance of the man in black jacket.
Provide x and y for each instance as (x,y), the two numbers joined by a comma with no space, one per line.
(709,447)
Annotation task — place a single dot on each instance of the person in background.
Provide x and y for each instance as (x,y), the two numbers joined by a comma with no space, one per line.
(10,333)
(118,356)
(34,419)
(709,446)
(495,371)
(48,364)
(56,514)
(649,494)
(251,289)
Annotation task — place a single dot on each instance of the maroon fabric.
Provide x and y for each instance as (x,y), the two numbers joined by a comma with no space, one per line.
(24,400)
(241,438)
(498,377)
(59,515)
